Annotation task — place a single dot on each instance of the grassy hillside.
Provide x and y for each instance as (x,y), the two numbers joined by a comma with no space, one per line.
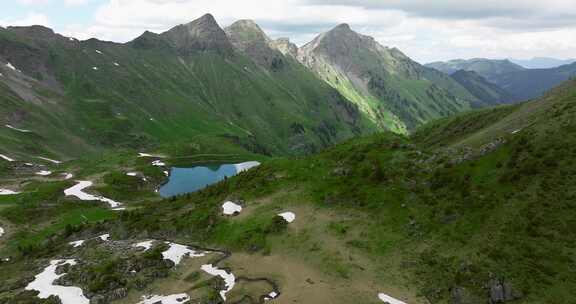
(469,209)
(150,94)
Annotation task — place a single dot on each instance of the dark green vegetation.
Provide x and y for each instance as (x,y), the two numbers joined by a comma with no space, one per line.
(466,206)
(523,84)
(487,93)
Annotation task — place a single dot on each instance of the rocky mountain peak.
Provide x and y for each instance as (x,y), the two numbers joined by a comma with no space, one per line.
(202,34)
(244,32)
(285,46)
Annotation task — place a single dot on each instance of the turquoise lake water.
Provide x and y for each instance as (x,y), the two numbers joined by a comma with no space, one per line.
(187,180)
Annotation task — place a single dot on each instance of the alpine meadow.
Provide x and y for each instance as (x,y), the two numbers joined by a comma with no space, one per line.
(399,152)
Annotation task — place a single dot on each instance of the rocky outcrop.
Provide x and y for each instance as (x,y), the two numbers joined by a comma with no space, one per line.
(201,35)
(502,291)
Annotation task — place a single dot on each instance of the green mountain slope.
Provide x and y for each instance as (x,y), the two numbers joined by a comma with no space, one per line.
(395,92)
(487,93)
(163,90)
(474,208)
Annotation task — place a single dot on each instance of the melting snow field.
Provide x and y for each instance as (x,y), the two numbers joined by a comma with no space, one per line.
(6,158)
(171,299)
(241,167)
(146,245)
(19,130)
(8,192)
(158,163)
(50,160)
(231,208)
(288,216)
(148,155)
(176,252)
(43,173)
(229,279)
(271,296)
(388,299)
(43,283)
(76,244)
(77,192)
(10,66)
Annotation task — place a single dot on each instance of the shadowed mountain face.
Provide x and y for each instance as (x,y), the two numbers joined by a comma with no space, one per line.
(522,83)
(488,94)
(192,81)
(394,91)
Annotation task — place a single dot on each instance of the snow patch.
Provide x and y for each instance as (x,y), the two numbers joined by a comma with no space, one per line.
(229,279)
(76,244)
(1,231)
(43,283)
(10,66)
(388,299)
(17,129)
(149,155)
(171,299)
(516,131)
(57,162)
(132,174)
(288,216)
(176,252)
(8,192)
(97,51)
(77,192)
(104,237)
(158,163)
(271,296)
(95,68)
(146,245)
(43,173)
(116,64)
(231,208)
(68,175)
(6,158)
(166,173)
(245,166)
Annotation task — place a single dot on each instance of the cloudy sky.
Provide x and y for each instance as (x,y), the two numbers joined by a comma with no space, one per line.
(426,30)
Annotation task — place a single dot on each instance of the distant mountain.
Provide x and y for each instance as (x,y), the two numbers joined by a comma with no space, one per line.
(522,83)
(394,91)
(542,62)
(532,83)
(489,94)
(487,68)
(193,86)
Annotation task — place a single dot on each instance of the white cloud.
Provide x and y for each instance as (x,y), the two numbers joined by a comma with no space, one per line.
(33,2)
(75,2)
(32,18)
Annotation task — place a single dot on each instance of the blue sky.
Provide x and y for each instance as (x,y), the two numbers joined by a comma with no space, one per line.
(426,30)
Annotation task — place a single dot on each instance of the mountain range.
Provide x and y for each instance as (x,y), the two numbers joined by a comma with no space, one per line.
(520,82)
(233,86)
(542,62)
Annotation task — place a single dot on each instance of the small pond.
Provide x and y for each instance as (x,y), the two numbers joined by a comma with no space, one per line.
(187,180)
